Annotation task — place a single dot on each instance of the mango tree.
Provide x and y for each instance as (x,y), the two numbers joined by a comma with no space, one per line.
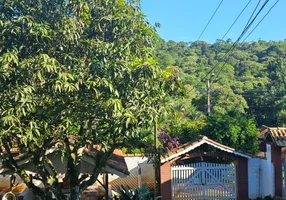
(80,69)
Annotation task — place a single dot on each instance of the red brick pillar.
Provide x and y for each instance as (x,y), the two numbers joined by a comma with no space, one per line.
(277,162)
(166,188)
(241,178)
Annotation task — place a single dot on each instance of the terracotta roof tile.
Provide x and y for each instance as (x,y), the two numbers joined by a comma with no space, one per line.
(18,188)
(187,147)
(277,134)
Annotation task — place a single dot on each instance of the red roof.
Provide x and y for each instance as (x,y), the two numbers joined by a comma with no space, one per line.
(187,147)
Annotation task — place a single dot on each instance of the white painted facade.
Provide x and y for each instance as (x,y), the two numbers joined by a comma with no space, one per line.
(141,172)
(260,173)
(261,176)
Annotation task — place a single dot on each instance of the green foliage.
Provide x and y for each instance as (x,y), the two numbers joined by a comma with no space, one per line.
(73,74)
(141,193)
(269,197)
(282,118)
(233,129)
(251,79)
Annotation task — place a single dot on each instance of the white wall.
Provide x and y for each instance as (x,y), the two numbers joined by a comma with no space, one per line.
(28,195)
(267,174)
(254,178)
(261,176)
(132,163)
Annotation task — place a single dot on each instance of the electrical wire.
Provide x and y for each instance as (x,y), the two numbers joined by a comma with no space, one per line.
(253,13)
(210,20)
(248,25)
(230,50)
(261,20)
(236,19)
(252,31)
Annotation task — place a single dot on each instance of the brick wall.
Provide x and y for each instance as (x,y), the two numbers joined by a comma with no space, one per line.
(277,162)
(166,191)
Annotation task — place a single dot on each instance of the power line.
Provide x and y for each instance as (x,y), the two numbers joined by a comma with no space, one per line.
(236,19)
(210,20)
(253,12)
(261,20)
(249,91)
(261,96)
(230,50)
(255,26)
(248,25)
(262,106)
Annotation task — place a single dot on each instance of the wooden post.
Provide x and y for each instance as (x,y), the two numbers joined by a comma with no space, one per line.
(209,98)
(209,81)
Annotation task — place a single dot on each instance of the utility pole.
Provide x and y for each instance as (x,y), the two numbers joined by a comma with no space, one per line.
(209,98)
(209,81)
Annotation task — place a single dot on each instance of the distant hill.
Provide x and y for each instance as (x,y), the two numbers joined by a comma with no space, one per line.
(251,79)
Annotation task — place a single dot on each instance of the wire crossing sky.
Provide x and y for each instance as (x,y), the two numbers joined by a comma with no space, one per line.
(184,20)
(210,19)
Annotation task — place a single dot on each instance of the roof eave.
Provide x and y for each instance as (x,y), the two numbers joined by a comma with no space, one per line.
(205,140)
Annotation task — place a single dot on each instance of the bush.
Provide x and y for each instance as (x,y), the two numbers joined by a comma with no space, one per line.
(142,193)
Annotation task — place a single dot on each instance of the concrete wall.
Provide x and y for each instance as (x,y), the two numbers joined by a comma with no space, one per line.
(261,175)
(141,172)
(254,178)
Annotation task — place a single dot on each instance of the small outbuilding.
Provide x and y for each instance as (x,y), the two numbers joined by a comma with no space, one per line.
(205,169)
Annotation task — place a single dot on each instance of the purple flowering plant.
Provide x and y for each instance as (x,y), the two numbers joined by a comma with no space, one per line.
(167,140)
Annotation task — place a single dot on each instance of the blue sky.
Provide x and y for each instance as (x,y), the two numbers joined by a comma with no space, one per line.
(184,20)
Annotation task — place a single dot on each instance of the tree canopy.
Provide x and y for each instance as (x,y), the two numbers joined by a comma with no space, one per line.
(250,79)
(233,129)
(74,74)
(248,82)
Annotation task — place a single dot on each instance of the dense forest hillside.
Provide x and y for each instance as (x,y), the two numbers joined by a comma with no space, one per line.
(252,79)
(247,89)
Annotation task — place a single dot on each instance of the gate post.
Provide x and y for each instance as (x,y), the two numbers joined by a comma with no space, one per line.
(203,181)
(277,162)
(166,188)
(241,177)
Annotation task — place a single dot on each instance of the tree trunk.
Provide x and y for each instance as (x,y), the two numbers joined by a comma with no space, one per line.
(75,193)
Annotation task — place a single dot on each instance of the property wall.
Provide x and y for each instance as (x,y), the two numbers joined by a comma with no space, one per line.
(267,178)
(254,178)
(141,172)
(27,195)
(241,177)
(166,190)
(261,176)
(267,174)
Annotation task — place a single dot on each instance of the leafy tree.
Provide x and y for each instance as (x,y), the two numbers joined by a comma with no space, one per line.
(165,59)
(248,79)
(74,74)
(282,118)
(233,129)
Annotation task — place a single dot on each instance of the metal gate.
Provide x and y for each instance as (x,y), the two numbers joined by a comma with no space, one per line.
(203,181)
